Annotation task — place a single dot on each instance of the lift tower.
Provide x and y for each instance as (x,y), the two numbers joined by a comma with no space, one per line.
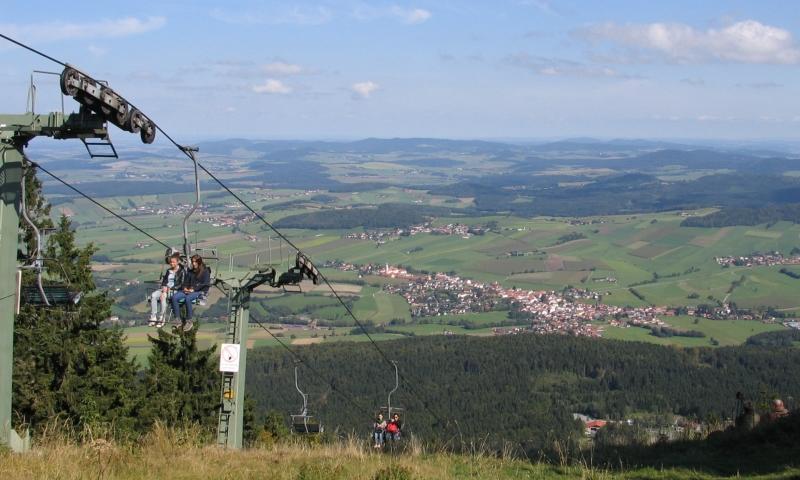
(99,105)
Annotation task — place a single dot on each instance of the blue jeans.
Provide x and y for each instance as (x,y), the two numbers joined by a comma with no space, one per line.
(188,298)
(378,438)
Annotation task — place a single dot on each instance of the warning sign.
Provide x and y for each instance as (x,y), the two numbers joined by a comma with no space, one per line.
(229,357)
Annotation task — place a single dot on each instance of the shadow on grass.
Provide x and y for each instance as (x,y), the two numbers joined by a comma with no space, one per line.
(768,448)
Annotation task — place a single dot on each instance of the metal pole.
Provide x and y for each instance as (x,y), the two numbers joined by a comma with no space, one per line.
(231,421)
(10,177)
(186,247)
(396,385)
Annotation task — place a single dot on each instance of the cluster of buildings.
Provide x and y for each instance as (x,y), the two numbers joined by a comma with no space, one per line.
(202,214)
(758,259)
(571,311)
(381,236)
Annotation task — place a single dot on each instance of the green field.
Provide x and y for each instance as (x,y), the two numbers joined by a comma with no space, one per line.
(726,332)
(664,262)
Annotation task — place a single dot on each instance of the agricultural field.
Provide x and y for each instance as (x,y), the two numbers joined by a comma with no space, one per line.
(666,263)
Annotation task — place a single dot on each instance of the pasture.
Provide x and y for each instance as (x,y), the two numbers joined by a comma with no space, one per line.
(667,264)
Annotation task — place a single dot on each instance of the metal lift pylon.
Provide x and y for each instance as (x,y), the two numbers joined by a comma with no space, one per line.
(99,105)
(233,353)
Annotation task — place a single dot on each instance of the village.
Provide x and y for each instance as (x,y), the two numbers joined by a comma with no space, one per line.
(382,236)
(570,311)
(758,259)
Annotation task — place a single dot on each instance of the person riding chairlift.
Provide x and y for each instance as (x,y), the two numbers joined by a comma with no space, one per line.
(172,280)
(195,286)
(393,428)
(378,428)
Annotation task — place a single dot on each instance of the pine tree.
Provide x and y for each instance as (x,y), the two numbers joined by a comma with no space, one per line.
(181,384)
(64,362)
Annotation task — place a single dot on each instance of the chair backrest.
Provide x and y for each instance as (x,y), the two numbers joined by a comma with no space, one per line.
(56,295)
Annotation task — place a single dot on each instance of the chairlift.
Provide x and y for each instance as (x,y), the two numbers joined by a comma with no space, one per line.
(390,410)
(208,254)
(304,423)
(40,295)
(303,269)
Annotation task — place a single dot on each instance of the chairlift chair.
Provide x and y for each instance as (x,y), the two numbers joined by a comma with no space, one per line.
(41,295)
(303,269)
(304,423)
(388,410)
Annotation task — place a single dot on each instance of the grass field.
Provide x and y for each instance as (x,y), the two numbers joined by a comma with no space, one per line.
(169,455)
(669,263)
(726,332)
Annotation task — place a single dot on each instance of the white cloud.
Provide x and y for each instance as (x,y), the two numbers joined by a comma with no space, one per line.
(97,51)
(52,31)
(364,89)
(553,67)
(272,86)
(694,81)
(411,16)
(297,15)
(543,5)
(748,41)
(283,68)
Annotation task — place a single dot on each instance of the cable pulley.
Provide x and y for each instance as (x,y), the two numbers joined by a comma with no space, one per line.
(104,101)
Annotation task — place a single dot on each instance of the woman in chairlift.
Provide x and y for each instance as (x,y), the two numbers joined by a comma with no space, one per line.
(195,286)
(171,281)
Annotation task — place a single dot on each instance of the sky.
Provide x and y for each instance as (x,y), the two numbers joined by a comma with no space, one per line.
(505,69)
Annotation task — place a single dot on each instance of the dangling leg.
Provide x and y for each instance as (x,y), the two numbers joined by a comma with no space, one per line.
(153,307)
(176,307)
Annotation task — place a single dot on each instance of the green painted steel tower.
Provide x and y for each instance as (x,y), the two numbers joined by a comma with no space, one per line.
(99,105)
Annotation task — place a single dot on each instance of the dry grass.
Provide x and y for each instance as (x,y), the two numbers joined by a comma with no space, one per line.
(178,454)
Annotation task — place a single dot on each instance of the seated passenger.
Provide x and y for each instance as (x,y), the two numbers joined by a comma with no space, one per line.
(171,280)
(378,427)
(195,286)
(394,427)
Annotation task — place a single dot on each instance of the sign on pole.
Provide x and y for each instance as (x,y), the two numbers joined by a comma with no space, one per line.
(229,358)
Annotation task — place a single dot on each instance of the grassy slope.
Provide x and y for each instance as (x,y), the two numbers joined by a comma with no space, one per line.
(166,456)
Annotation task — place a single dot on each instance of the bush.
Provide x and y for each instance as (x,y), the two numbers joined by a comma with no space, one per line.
(393,472)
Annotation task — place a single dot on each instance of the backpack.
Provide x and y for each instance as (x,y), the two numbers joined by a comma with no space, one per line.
(392,428)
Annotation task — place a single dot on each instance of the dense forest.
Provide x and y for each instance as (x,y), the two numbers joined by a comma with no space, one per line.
(386,215)
(746,216)
(517,388)
(533,195)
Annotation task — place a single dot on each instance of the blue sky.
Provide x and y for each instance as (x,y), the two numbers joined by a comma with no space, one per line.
(514,69)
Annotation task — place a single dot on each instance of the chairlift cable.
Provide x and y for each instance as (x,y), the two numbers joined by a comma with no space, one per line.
(299,359)
(87,197)
(244,204)
(33,50)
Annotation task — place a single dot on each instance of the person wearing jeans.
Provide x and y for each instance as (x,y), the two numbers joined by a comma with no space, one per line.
(172,279)
(195,286)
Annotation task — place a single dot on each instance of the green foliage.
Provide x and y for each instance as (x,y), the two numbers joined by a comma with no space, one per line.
(64,363)
(746,216)
(181,383)
(520,388)
(393,472)
(782,338)
(386,215)
(570,237)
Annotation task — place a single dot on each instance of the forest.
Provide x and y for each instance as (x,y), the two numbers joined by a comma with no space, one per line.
(746,216)
(385,215)
(522,388)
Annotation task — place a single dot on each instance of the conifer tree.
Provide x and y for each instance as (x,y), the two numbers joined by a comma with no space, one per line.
(65,364)
(181,384)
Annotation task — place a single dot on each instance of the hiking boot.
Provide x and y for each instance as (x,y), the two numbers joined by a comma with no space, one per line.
(188,325)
